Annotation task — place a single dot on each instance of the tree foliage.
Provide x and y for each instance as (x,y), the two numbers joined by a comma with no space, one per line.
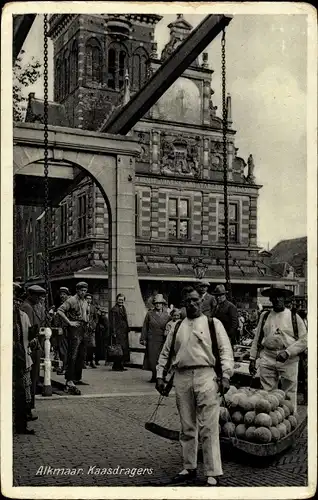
(23,76)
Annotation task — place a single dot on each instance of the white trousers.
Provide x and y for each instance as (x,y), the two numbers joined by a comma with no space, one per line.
(198,405)
(272,371)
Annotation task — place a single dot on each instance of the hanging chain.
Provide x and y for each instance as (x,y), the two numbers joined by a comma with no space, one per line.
(225,168)
(46,168)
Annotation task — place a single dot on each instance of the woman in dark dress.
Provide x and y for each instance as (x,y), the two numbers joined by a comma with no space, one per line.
(153,334)
(119,329)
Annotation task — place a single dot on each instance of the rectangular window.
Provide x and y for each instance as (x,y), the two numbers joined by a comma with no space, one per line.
(82,215)
(63,224)
(30,270)
(233,218)
(179,218)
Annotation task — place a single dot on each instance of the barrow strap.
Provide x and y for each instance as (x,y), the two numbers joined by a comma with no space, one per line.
(171,352)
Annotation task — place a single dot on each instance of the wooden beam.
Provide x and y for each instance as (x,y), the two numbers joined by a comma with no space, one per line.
(21,28)
(167,74)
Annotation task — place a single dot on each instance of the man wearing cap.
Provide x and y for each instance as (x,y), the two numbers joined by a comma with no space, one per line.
(227,313)
(153,334)
(208,300)
(276,345)
(74,313)
(34,307)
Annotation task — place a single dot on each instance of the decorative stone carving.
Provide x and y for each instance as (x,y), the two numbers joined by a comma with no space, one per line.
(238,167)
(251,166)
(154,50)
(216,162)
(144,141)
(211,105)
(180,156)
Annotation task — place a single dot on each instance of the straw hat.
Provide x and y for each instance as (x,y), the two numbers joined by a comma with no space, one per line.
(158,299)
(275,291)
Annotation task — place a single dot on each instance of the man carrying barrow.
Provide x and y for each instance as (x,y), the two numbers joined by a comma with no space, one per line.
(201,351)
(280,337)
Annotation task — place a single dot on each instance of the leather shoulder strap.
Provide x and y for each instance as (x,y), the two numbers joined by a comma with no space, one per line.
(261,335)
(295,325)
(215,348)
(171,352)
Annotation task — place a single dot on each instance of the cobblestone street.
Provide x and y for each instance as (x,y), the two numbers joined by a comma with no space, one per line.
(107,430)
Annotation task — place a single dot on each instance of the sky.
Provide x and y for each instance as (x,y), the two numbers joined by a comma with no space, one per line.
(267,79)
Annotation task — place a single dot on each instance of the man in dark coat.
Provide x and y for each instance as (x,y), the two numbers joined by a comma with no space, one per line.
(119,329)
(62,341)
(20,362)
(90,339)
(227,313)
(33,306)
(101,336)
(208,301)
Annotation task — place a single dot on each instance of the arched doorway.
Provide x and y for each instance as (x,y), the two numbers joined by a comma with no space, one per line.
(109,161)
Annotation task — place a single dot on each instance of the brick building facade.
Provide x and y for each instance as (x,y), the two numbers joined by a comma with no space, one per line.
(179,210)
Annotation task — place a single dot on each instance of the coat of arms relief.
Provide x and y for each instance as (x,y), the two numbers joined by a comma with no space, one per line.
(180,155)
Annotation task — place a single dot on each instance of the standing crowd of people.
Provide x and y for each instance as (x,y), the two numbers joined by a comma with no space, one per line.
(82,335)
(192,345)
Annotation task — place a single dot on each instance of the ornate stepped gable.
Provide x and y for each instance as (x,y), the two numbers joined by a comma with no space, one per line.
(179,30)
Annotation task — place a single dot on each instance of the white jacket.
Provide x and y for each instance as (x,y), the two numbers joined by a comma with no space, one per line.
(279,334)
(193,347)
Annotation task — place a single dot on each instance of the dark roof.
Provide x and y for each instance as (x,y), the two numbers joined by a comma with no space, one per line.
(56,112)
(293,251)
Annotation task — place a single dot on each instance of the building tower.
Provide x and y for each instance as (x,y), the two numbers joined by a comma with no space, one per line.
(92,54)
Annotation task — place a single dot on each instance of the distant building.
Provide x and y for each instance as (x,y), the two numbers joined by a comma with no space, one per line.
(291,255)
(289,259)
(99,60)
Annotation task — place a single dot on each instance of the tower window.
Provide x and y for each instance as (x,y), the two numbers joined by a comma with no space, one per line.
(74,65)
(58,80)
(66,64)
(117,63)
(139,69)
(111,68)
(94,61)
